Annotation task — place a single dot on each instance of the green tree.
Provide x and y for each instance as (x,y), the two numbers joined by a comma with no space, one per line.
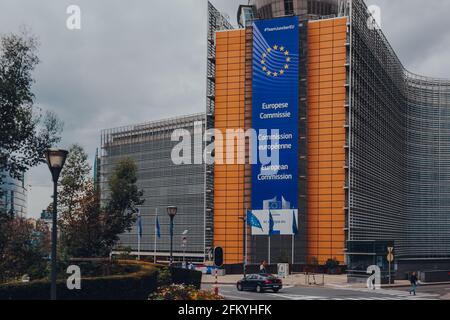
(26,249)
(74,178)
(123,200)
(25,131)
(87,228)
(82,228)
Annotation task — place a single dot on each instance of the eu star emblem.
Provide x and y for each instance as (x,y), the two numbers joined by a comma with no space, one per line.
(275,61)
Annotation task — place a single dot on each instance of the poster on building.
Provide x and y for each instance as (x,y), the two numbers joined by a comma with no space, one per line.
(275,115)
(275,222)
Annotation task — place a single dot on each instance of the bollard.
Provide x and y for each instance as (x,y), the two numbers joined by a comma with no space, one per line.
(216,284)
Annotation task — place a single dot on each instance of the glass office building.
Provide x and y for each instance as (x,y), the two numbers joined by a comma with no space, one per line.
(14,195)
(164,184)
(374,143)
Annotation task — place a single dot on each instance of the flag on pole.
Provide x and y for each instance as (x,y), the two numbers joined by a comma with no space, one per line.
(294,224)
(271,224)
(139,223)
(157,228)
(253,221)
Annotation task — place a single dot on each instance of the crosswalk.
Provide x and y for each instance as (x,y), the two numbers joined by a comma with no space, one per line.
(381,296)
(395,294)
(336,293)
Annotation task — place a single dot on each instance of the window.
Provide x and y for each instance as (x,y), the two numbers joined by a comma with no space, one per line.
(289,7)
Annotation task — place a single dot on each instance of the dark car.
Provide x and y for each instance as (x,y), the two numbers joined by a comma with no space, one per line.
(260,283)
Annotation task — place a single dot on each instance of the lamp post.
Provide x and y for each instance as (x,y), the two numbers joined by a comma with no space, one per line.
(172,212)
(184,245)
(55,160)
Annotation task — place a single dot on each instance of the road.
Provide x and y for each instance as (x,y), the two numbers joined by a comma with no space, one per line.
(324,293)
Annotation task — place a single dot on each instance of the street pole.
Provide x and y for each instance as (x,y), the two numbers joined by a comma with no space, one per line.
(54,239)
(55,161)
(171,240)
(139,236)
(293,249)
(390,273)
(245,243)
(156,236)
(139,247)
(269,249)
(171,211)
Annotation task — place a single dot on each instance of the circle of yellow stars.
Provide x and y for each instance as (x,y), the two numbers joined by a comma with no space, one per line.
(276,73)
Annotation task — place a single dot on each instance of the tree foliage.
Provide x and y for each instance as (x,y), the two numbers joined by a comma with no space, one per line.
(74,179)
(24,248)
(123,201)
(25,131)
(82,228)
(89,229)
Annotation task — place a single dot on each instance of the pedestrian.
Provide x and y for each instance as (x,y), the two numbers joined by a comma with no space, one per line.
(413,279)
(262,268)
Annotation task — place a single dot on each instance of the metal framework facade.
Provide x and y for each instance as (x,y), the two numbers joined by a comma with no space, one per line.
(216,22)
(399,148)
(268,9)
(163,183)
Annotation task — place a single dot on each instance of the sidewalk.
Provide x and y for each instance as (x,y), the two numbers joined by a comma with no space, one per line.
(301,280)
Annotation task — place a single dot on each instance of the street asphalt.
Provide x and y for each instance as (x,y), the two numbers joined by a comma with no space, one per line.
(230,292)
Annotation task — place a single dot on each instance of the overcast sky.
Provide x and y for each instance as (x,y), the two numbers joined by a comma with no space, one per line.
(143,60)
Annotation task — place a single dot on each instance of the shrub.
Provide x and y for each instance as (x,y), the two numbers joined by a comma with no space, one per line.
(183,293)
(134,286)
(164,277)
(186,277)
(332,263)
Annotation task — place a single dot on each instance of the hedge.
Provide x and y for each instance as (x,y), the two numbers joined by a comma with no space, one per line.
(187,277)
(134,286)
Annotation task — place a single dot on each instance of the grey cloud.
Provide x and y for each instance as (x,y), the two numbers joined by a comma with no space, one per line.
(143,60)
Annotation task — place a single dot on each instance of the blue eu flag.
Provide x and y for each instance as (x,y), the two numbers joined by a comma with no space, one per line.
(294,224)
(271,224)
(157,228)
(272,232)
(253,221)
(139,223)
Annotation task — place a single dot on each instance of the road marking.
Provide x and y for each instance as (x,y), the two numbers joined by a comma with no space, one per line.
(395,293)
(236,297)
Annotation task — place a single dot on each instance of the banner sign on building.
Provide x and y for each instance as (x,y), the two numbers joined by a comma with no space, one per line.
(275,115)
(285,222)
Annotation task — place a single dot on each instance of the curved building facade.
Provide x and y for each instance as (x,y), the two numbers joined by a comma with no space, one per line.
(428,166)
(14,195)
(267,9)
(399,152)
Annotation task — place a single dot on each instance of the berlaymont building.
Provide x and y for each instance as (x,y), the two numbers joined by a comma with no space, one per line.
(364,145)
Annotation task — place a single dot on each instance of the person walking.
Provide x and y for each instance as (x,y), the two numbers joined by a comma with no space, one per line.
(413,279)
(262,268)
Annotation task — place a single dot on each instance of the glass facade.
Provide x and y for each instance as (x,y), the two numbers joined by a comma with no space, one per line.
(14,194)
(399,159)
(164,184)
(267,9)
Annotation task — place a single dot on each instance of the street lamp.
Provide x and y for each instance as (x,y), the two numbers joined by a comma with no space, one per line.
(172,212)
(55,160)
(184,245)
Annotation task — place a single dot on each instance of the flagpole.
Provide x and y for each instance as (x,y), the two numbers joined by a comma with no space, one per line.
(156,234)
(245,241)
(293,248)
(139,235)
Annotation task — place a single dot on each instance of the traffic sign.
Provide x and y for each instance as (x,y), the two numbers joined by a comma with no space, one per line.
(390,256)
